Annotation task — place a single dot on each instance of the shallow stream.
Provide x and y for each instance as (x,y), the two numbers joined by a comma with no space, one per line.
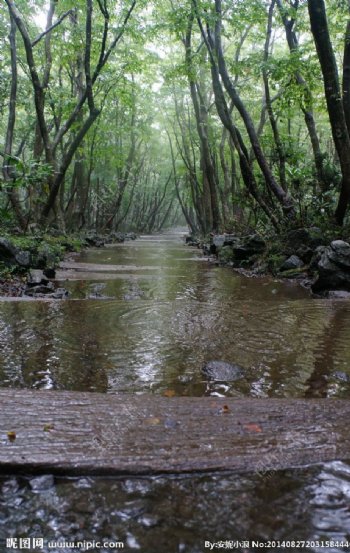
(143,317)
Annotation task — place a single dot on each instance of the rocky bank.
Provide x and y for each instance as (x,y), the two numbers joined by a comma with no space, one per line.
(302,254)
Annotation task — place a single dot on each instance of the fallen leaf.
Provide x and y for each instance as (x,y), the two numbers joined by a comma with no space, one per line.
(152,421)
(169,393)
(11,436)
(251,427)
(48,427)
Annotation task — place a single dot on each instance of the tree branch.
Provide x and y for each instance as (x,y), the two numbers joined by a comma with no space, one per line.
(52,27)
(103,61)
(39,97)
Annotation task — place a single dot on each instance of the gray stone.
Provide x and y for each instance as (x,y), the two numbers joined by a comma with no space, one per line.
(293,262)
(60,294)
(341,375)
(219,240)
(133,296)
(42,483)
(23,258)
(36,277)
(338,294)
(117,237)
(333,268)
(130,236)
(222,371)
(339,253)
(249,246)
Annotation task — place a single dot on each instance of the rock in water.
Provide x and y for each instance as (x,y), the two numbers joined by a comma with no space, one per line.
(219,370)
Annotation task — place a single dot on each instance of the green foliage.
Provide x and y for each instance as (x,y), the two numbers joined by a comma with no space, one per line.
(226,255)
(7,271)
(144,99)
(27,173)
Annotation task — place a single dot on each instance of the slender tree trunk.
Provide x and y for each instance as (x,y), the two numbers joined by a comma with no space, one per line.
(293,45)
(245,166)
(210,185)
(346,77)
(226,195)
(276,135)
(276,189)
(186,212)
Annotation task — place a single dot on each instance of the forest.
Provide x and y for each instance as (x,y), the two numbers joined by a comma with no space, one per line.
(146,114)
(174,275)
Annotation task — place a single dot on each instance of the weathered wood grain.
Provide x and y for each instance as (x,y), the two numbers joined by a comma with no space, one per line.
(88,433)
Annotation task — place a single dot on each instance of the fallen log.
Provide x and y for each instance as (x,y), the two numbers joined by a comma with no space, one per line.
(117,434)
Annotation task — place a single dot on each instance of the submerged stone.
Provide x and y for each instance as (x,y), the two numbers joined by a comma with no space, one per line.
(60,294)
(220,370)
(41,483)
(338,294)
(341,375)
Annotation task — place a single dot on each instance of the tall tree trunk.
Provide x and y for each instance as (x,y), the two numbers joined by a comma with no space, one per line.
(6,169)
(320,31)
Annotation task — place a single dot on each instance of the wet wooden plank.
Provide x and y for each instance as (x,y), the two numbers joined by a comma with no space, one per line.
(71,275)
(104,268)
(81,433)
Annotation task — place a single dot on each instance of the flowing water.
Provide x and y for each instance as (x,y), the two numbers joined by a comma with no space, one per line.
(144,317)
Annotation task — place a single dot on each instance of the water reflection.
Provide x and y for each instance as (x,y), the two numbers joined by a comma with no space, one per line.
(153,329)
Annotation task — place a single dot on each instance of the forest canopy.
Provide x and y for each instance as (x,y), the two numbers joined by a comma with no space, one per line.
(144,114)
